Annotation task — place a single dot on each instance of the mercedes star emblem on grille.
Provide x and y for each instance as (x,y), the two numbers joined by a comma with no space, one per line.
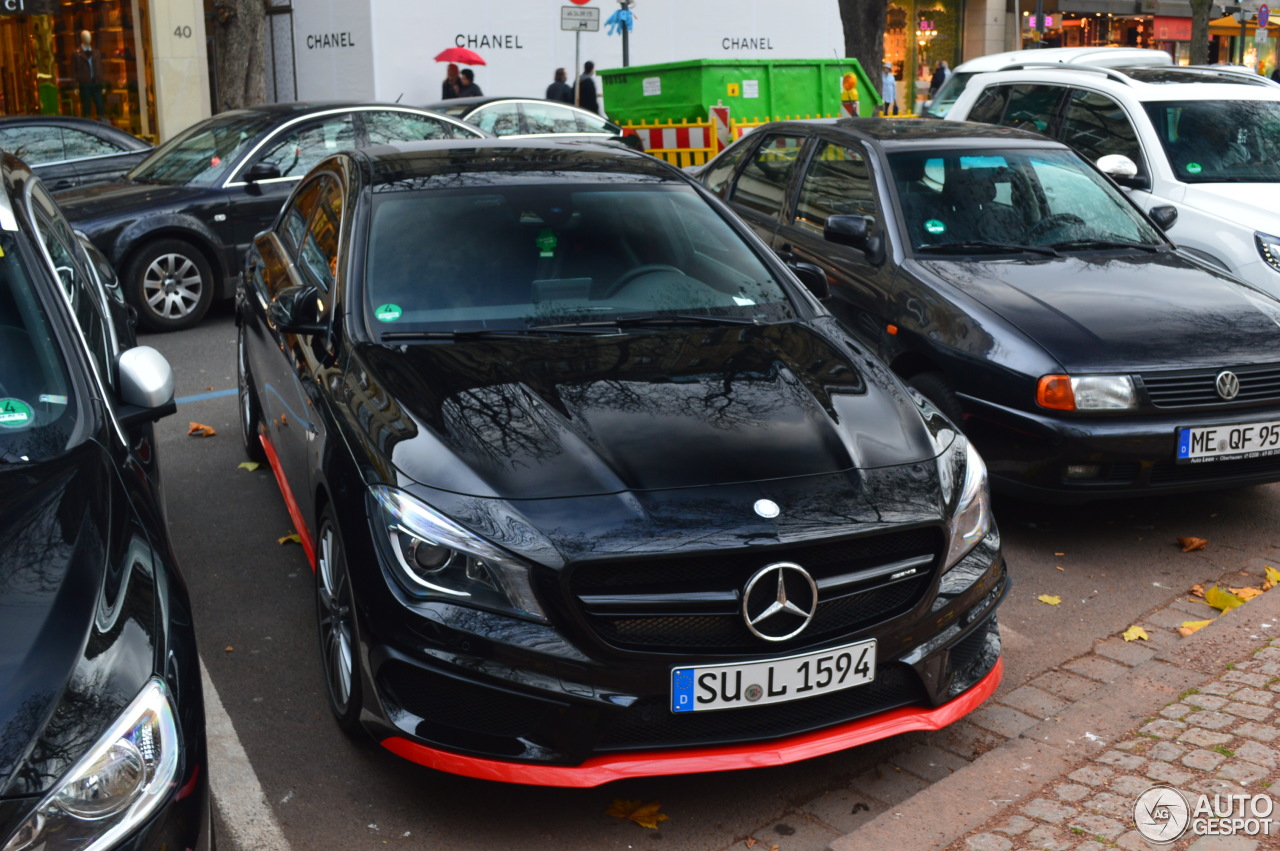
(767,508)
(779,601)
(1228,385)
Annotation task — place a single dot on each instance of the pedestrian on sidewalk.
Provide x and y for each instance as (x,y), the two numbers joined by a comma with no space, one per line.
(587,89)
(469,88)
(888,91)
(452,83)
(560,90)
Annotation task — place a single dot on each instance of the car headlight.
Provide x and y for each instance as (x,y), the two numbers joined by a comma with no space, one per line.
(1269,248)
(1086,393)
(964,485)
(114,787)
(437,558)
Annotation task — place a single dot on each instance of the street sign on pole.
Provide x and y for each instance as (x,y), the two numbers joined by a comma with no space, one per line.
(1264,17)
(580,19)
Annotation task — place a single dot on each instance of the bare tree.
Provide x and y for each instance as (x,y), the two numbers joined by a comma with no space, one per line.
(863,22)
(1201,10)
(239,28)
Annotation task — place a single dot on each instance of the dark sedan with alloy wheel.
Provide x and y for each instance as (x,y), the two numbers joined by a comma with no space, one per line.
(1013,284)
(178,225)
(592,487)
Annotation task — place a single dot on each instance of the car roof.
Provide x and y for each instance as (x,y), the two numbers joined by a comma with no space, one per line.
(1146,84)
(894,132)
(401,163)
(1069,55)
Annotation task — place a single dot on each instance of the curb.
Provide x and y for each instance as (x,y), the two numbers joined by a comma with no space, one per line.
(958,804)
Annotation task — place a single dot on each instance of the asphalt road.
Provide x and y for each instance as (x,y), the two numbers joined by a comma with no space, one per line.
(256,624)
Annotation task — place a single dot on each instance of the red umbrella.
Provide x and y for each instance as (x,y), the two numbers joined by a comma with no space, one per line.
(461,55)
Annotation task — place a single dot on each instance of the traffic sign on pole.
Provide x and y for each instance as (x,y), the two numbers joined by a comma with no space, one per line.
(580,19)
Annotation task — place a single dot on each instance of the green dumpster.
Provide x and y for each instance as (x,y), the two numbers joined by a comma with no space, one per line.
(752,89)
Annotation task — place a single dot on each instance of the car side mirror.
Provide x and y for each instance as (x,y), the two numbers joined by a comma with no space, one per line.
(813,278)
(262,171)
(146,386)
(855,232)
(1123,171)
(296,310)
(1164,216)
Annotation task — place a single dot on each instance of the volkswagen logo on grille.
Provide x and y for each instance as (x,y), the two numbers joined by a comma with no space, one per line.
(1228,385)
(779,601)
(767,508)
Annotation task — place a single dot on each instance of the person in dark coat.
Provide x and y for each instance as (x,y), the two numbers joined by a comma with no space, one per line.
(587,89)
(469,88)
(452,83)
(560,90)
(940,74)
(87,68)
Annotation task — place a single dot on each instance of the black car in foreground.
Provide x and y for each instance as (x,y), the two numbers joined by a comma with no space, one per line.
(1015,286)
(102,741)
(66,152)
(591,486)
(178,225)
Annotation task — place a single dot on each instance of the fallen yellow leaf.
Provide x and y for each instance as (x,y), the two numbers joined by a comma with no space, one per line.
(1059,567)
(1247,594)
(1059,554)
(1189,627)
(1273,578)
(1134,633)
(645,815)
(291,538)
(1189,544)
(1223,601)
(1049,599)
(248,465)
(200,430)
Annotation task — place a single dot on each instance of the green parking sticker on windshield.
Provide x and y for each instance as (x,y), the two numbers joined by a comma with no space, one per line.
(388,313)
(15,413)
(1194,168)
(935,227)
(546,243)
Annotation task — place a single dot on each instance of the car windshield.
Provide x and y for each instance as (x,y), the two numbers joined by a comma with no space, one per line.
(948,94)
(1012,198)
(38,413)
(515,257)
(1220,141)
(202,154)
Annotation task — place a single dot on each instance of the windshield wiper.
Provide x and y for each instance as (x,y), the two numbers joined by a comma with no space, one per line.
(1072,244)
(464,334)
(972,245)
(643,319)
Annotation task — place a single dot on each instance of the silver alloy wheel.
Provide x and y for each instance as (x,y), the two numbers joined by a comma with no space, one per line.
(172,285)
(335,618)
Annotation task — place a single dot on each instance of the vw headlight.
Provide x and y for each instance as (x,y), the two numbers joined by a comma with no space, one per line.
(964,484)
(1269,248)
(114,787)
(437,558)
(1086,393)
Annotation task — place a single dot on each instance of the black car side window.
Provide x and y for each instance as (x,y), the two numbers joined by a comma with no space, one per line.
(762,184)
(1032,107)
(33,145)
(990,105)
(81,144)
(319,255)
(837,182)
(1095,125)
(500,119)
(387,128)
(300,149)
(722,170)
(294,221)
(549,118)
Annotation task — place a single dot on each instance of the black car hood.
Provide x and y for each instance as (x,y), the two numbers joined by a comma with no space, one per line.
(55,534)
(118,197)
(575,416)
(1128,313)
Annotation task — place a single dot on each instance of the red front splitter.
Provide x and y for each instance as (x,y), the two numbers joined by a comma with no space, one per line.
(605,769)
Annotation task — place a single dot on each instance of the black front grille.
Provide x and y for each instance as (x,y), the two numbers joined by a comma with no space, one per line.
(1169,473)
(1198,387)
(713,622)
(650,723)
(460,705)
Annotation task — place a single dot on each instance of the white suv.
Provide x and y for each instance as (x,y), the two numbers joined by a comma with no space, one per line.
(1205,141)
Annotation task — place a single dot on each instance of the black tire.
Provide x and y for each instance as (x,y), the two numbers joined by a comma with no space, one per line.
(935,388)
(336,619)
(250,412)
(170,283)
